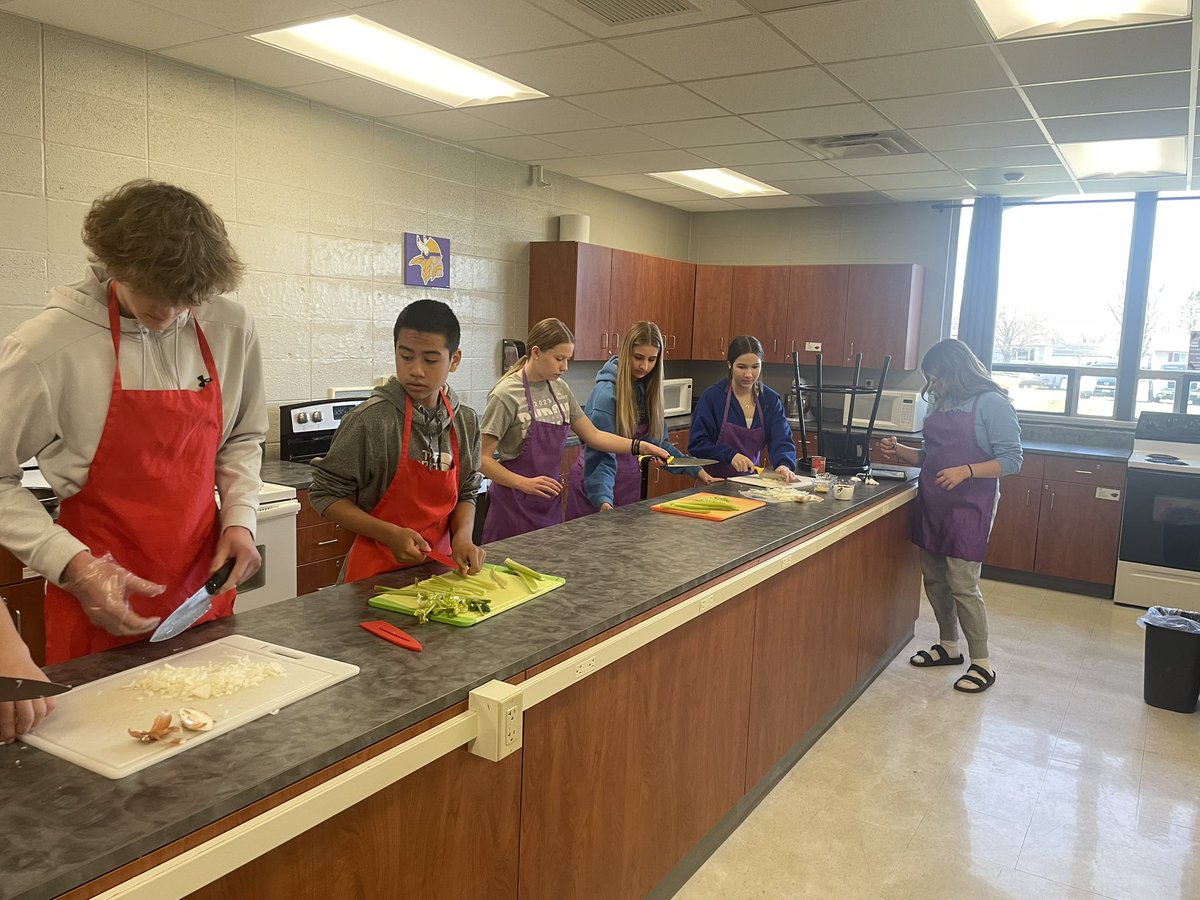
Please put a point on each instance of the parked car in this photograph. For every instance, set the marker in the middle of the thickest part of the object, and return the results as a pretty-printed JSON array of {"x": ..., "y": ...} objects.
[
  {"x": 1042, "y": 379},
  {"x": 1105, "y": 387},
  {"x": 1167, "y": 394}
]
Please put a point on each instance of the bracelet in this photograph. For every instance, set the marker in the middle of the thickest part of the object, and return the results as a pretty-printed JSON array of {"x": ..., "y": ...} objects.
[
  {"x": 635, "y": 446},
  {"x": 972, "y": 471}
]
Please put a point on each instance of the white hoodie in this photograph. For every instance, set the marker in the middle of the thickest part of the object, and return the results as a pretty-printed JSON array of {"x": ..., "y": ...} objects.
[{"x": 56, "y": 373}]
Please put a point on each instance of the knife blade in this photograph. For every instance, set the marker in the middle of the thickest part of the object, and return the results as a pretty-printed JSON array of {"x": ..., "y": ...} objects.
[
  {"x": 680, "y": 462},
  {"x": 442, "y": 558},
  {"x": 768, "y": 474},
  {"x": 194, "y": 606},
  {"x": 12, "y": 689}
]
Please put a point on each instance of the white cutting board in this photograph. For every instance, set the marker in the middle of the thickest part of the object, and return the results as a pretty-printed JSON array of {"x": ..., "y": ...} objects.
[
  {"x": 801, "y": 482},
  {"x": 89, "y": 727}
]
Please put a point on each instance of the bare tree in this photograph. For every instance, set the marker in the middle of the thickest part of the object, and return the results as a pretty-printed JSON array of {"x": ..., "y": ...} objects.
[
  {"x": 1191, "y": 310},
  {"x": 1022, "y": 329}
]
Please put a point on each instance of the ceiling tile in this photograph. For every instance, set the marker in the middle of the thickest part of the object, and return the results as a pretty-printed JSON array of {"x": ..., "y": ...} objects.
[
  {"x": 638, "y": 106},
  {"x": 627, "y": 163},
  {"x": 540, "y": 116},
  {"x": 664, "y": 193},
  {"x": 969, "y": 137},
  {"x": 625, "y": 182},
  {"x": 1115, "y": 126},
  {"x": 733, "y": 47},
  {"x": 237, "y": 15},
  {"x": 1105, "y": 95},
  {"x": 962, "y": 108},
  {"x": 1059, "y": 189},
  {"x": 888, "y": 165},
  {"x": 790, "y": 89},
  {"x": 571, "y": 70},
  {"x": 704, "y": 205},
  {"x": 814, "y": 186},
  {"x": 252, "y": 61},
  {"x": 935, "y": 72},
  {"x": 705, "y": 132},
  {"x": 1125, "y": 185},
  {"x": 123, "y": 21},
  {"x": 786, "y": 201},
  {"x": 1041, "y": 155},
  {"x": 850, "y": 198},
  {"x": 820, "y": 121},
  {"x": 917, "y": 195},
  {"x": 451, "y": 125},
  {"x": 1097, "y": 54},
  {"x": 521, "y": 148},
  {"x": 707, "y": 11},
  {"x": 497, "y": 26},
  {"x": 370, "y": 98},
  {"x": 606, "y": 140},
  {"x": 1033, "y": 175},
  {"x": 794, "y": 171},
  {"x": 837, "y": 31},
  {"x": 913, "y": 180},
  {"x": 752, "y": 154}
]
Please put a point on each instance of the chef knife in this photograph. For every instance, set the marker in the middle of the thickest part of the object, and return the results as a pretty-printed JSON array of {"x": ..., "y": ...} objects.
[
  {"x": 12, "y": 689},
  {"x": 194, "y": 606},
  {"x": 768, "y": 474},
  {"x": 680, "y": 462}
]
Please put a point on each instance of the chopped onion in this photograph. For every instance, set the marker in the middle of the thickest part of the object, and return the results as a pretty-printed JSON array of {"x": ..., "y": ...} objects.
[{"x": 202, "y": 682}]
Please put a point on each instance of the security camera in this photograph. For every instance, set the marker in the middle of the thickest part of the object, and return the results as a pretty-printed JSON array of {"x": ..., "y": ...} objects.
[{"x": 1013, "y": 177}]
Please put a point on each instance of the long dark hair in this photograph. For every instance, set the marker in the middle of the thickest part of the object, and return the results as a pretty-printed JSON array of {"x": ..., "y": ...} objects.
[
  {"x": 959, "y": 373},
  {"x": 740, "y": 346}
]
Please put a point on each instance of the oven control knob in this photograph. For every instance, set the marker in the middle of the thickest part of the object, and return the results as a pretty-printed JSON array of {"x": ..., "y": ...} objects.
[
  {"x": 302, "y": 418},
  {"x": 317, "y": 416}
]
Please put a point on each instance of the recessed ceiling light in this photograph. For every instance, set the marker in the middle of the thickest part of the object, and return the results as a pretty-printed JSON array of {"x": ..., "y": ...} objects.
[
  {"x": 1030, "y": 18},
  {"x": 721, "y": 183},
  {"x": 1129, "y": 158},
  {"x": 362, "y": 47}
]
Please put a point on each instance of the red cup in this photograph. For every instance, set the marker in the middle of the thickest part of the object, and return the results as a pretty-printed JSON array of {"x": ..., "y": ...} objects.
[{"x": 818, "y": 465}]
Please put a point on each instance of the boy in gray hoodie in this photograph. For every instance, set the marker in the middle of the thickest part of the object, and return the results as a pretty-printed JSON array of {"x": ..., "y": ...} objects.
[{"x": 403, "y": 470}]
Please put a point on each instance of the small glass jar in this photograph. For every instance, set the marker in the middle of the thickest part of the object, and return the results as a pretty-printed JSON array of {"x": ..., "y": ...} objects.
[{"x": 843, "y": 489}]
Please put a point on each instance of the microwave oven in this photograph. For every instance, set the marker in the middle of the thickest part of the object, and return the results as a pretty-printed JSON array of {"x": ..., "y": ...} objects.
[
  {"x": 898, "y": 411},
  {"x": 677, "y": 396}
]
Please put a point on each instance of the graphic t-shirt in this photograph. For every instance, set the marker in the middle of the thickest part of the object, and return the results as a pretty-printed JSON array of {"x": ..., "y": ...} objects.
[{"x": 506, "y": 416}]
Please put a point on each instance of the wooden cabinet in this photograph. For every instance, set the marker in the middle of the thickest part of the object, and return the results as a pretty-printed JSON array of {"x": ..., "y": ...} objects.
[
  {"x": 25, "y": 602},
  {"x": 570, "y": 281},
  {"x": 630, "y": 297},
  {"x": 674, "y": 282},
  {"x": 883, "y": 314},
  {"x": 759, "y": 306},
  {"x": 710, "y": 312},
  {"x": 1052, "y": 519},
  {"x": 817, "y": 312},
  {"x": 321, "y": 548}
]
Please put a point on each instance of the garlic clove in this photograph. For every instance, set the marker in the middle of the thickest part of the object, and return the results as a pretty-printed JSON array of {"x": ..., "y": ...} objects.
[{"x": 195, "y": 719}]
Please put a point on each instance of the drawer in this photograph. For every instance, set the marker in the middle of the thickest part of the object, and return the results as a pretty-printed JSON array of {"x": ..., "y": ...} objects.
[
  {"x": 1078, "y": 470},
  {"x": 317, "y": 575},
  {"x": 307, "y": 515},
  {"x": 319, "y": 542},
  {"x": 1032, "y": 465},
  {"x": 26, "y": 603}
]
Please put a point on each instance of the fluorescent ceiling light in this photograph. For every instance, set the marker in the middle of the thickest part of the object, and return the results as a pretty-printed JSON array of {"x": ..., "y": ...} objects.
[
  {"x": 362, "y": 47},
  {"x": 1029, "y": 18},
  {"x": 1124, "y": 159},
  {"x": 723, "y": 183}
]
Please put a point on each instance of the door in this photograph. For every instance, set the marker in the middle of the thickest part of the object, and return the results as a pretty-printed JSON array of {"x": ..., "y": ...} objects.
[
  {"x": 1078, "y": 532},
  {"x": 758, "y": 306},
  {"x": 817, "y": 312},
  {"x": 710, "y": 312},
  {"x": 678, "y": 300},
  {"x": 883, "y": 314},
  {"x": 637, "y": 283},
  {"x": 1015, "y": 533}
]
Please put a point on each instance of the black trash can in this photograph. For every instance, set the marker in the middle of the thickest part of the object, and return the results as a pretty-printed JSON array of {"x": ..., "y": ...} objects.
[{"x": 1172, "y": 664}]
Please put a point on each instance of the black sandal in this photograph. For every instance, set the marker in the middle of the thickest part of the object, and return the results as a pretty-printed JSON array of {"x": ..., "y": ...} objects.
[
  {"x": 971, "y": 683},
  {"x": 925, "y": 659}
]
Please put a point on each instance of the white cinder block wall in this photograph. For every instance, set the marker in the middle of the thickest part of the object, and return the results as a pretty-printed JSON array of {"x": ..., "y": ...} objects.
[{"x": 317, "y": 201}]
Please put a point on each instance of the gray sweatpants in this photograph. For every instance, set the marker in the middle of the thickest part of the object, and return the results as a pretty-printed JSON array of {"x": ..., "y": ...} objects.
[{"x": 952, "y": 586}]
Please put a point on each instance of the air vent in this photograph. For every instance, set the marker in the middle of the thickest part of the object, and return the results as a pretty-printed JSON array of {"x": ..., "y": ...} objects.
[
  {"x": 857, "y": 146},
  {"x": 625, "y": 12}
]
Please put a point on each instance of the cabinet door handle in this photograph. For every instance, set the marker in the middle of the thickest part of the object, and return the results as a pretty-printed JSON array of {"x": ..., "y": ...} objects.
[
  {"x": 328, "y": 542},
  {"x": 1084, "y": 472},
  {"x": 616, "y": 340},
  {"x": 672, "y": 342},
  {"x": 1052, "y": 499},
  {"x": 604, "y": 340},
  {"x": 851, "y": 356},
  {"x": 793, "y": 350},
  {"x": 775, "y": 345},
  {"x": 1027, "y": 493}
]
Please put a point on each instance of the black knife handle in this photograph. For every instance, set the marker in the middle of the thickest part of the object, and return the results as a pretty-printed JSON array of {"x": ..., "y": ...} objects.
[{"x": 220, "y": 576}]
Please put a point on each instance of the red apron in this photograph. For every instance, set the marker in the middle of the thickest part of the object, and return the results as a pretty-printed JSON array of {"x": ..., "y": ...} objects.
[
  {"x": 419, "y": 498},
  {"x": 148, "y": 501}
]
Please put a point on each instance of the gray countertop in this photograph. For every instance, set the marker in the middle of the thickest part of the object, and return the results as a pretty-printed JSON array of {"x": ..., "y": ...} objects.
[
  {"x": 282, "y": 471},
  {"x": 64, "y": 825}
]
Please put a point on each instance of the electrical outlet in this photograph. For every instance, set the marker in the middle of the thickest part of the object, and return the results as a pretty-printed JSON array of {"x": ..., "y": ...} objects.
[
  {"x": 869, "y": 382},
  {"x": 585, "y": 667},
  {"x": 498, "y": 706},
  {"x": 512, "y": 723},
  {"x": 812, "y": 346},
  {"x": 707, "y": 603}
]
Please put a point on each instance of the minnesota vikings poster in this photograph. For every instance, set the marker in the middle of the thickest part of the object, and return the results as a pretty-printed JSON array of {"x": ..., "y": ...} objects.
[{"x": 428, "y": 260}]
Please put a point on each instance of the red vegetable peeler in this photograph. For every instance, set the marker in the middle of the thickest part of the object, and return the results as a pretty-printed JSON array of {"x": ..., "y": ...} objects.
[{"x": 392, "y": 634}]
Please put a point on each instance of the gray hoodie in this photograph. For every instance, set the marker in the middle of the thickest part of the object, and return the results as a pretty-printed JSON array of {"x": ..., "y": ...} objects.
[{"x": 56, "y": 373}]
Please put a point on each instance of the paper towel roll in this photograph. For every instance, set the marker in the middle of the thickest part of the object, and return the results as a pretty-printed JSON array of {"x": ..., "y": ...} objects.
[{"x": 574, "y": 228}]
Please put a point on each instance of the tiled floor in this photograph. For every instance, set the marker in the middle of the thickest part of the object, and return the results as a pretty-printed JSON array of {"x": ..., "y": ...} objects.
[{"x": 1059, "y": 782}]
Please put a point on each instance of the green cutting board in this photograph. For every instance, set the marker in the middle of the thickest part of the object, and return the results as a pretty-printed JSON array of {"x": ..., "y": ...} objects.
[{"x": 502, "y": 600}]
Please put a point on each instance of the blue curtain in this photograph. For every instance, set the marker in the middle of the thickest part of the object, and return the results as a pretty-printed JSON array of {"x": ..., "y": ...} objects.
[{"x": 977, "y": 318}]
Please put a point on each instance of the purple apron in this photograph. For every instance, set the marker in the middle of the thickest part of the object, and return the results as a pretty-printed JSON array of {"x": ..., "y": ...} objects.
[
  {"x": 511, "y": 512},
  {"x": 627, "y": 481},
  {"x": 749, "y": 442},
  {"x": 954, "y": 523}
]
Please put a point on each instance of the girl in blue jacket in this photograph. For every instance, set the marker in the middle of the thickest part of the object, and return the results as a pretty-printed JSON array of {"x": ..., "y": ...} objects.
[
  {"x": 739, "y": 418},
  {"x": 627, "y": 400}
]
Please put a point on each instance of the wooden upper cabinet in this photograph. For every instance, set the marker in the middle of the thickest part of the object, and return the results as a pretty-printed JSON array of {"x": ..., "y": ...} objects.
[
  {"x": 759, "y": 307},
  {"x": 817, "y": 312},
  {"x": 637, "y": 283},
  {"x": 883, "y": 314},
  {"x": 571, "y": 281},
  {"x": 675, "y": 318},
  {"x": 710, "y": 314}
]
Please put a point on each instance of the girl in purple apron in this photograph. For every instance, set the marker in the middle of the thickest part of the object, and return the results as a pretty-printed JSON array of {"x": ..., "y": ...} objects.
[
  {"x": 971, "y": 439},
  {"x": 529, "y": 413},
  {"x": 627, "y": 400},
  {"x": 740, "y": 418}
]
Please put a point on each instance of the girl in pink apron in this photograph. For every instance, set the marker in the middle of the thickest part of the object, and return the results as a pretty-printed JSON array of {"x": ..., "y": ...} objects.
[
  {"x": 528, "y": 416},
  {"x": 627, "y": 400},
  {"x": 971, "y": 439}
]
